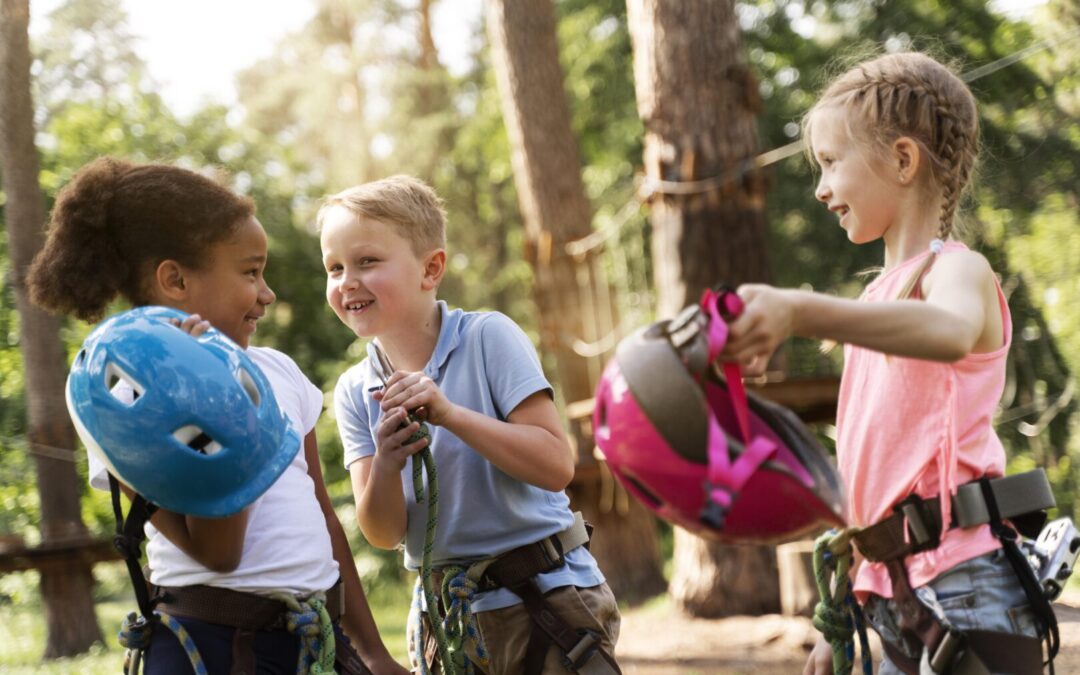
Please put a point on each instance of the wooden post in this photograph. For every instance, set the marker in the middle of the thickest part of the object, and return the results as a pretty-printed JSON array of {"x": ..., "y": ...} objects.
[{"x": 798, "y": 588}]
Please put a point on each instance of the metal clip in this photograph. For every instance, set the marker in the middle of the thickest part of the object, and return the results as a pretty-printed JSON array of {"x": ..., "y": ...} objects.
[
  {"x": 581, "y": 652},
  {"x": 384, "y": 369}
]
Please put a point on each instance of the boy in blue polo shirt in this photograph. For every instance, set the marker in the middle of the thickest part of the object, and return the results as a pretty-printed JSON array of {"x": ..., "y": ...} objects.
[{"x": 502, "y": 457}]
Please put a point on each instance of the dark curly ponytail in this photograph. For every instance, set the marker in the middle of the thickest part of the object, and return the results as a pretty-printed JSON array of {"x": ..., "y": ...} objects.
[{"x": 116, "y": 221}]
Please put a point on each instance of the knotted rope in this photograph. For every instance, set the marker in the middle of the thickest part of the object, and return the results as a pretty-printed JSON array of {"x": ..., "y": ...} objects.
[
  {"x": 465, "y": 643},
  {"x": 308, "y": 620},
  {"x": 837, "y": 615}
]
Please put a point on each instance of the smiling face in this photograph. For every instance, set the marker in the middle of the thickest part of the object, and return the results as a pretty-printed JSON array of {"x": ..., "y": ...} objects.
[
  {"x": 375, "y": 283},
  {"x": 230, "y": 291},
  {"x": 853, "y": 181}
]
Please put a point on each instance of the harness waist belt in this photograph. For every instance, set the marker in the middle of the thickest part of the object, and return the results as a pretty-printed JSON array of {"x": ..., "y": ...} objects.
[
  {"x": 525, "y": 562},
  {"x": 1016, "y": 495},
  {"x": 246, "y": 611}
]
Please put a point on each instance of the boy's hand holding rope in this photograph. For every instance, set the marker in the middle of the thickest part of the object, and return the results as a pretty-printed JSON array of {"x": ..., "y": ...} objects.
[
  {"x": 426, "y": 465},
  {"x": 837, "y": 615}
]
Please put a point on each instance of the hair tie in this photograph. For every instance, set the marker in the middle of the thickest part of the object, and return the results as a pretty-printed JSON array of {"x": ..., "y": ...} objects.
[{"x": 937, "y": 246}]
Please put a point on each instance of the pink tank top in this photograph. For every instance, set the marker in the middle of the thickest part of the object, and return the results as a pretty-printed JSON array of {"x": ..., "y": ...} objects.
[{"x": 908, "y": 425}]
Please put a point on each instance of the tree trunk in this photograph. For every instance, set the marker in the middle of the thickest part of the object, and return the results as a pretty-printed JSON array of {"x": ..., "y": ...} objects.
[
  {"x": 65, "y": 587},
  {"x": 698, "y": 100},
  {"x": 547, "y": 172}
]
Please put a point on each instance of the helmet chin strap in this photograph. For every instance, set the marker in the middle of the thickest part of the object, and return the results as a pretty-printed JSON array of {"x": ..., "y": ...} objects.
[{"x": 722, "y": 305}]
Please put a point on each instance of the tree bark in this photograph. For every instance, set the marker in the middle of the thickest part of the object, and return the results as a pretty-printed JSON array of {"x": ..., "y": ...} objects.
[
  {"x": 698, "y": 101},
  {"x": 547, "y": 173},
  {"x": 65, "y": 587}
]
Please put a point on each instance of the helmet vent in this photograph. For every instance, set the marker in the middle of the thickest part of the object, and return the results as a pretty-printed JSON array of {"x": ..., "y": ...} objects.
[
  {"x": 647, "y": 494},
  {"x": 196, "y": 439},
  {"x": 248, "y": 383},
  {"x": 117, "y": 382}
]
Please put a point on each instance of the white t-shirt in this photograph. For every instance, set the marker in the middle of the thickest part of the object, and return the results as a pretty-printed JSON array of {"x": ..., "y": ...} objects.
[{"x": 287, "y": 546}]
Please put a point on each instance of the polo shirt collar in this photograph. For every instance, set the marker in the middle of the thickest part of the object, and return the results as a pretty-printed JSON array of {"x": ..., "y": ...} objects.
[{"x": 449, "y": 338}]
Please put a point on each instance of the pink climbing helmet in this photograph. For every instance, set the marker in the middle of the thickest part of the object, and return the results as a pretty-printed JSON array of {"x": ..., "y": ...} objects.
[{"x": 695, "y": 448}]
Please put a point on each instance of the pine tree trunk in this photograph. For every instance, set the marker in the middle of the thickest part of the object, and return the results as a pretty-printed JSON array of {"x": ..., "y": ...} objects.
[
  {"x": 547, "y": 172},
  {"x": 65, "y": 587},
  {"x": 698, "y": 101}
]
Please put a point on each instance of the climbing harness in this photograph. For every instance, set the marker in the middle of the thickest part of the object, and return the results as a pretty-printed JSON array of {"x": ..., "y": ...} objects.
[
  {"x": 692, "y": 445},
  {"x": 458, "y": 641},
  {"x": 916, "y": 526},
  {"x": 581, "y": 649},
  {"x": 311, "y": 619}
]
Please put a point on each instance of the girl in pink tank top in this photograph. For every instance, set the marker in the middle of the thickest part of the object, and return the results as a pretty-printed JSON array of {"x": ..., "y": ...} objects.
[{"x": 895, "y": 139}]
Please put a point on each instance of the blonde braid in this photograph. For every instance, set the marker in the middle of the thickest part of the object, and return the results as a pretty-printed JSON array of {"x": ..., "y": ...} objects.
[{"x": 954, "y": 147}]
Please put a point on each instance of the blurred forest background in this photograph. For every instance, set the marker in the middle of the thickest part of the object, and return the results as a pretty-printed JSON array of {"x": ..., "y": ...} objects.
[{"x": 360, "y": 92}]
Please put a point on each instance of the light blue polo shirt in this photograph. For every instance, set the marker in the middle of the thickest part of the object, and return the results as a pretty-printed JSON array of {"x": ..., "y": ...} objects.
[{"x": 483, "y": 361}]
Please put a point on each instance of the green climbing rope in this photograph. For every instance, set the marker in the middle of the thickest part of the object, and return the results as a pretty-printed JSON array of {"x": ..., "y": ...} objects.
[
  {"x": 836, "y": 614},
  {"x": 308, "y": 620},
  {"x": 427, "y": 465},
  {"x": 464, "y": 641}
]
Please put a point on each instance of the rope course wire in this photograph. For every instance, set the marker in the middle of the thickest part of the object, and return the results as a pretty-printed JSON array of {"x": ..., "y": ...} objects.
[{"x": 41, "y": 449}]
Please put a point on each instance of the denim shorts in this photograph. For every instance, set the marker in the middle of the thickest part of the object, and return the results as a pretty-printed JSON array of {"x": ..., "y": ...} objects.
[{"x": 982, "y": 593}]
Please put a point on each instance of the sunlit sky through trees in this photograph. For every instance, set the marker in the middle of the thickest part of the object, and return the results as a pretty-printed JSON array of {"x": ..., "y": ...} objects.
[{"x": 193, "y": 49}]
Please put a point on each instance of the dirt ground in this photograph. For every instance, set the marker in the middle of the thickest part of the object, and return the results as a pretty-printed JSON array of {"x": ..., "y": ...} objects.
[{"x": 657, "y": 640}]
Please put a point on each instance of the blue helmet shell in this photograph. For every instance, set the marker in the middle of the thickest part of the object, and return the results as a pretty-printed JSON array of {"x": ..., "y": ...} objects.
[{"x": 190, "y": 423}]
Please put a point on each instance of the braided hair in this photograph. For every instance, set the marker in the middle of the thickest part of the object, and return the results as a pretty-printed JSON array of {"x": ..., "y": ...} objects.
[{"x": 911, "y": 94}]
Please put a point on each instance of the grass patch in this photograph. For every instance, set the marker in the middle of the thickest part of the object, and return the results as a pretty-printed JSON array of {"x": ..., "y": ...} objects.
[{"x": 22, "y": 623}]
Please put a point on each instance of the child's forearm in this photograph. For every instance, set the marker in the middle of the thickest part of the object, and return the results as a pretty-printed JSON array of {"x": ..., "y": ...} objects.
[
  {"x": 910, "y": 328},
  {"x": 527, "y": 451},
  {"x": 215, "y": 543},
  {"x": 380, "y": 504}
]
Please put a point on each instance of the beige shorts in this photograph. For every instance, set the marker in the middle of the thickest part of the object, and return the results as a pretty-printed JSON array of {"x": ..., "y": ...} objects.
[{"x": 506, "y": 631}]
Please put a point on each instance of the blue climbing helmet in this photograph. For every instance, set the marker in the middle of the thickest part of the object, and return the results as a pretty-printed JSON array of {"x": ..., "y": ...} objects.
[{"x": 190, "y": 423}]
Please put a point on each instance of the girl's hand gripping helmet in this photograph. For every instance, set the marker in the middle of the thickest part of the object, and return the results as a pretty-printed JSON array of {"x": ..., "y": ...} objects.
[
  {"x": 189, "y": 423},
  {"x": 692, "y": 446}
]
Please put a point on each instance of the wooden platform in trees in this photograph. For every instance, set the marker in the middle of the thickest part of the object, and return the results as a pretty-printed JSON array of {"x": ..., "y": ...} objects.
[{"x": 17, "y": 557}]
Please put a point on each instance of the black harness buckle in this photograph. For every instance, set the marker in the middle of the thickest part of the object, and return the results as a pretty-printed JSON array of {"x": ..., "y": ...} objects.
[{"x": 922, "y": 528}]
